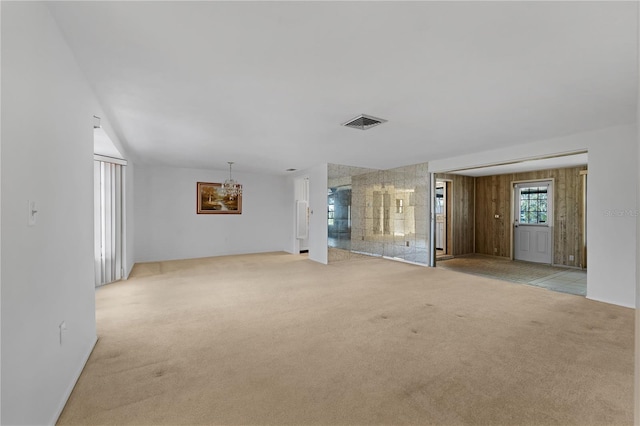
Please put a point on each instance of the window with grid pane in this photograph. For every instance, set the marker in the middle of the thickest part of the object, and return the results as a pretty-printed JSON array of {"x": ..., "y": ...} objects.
[{"x": 533, "y": 205}]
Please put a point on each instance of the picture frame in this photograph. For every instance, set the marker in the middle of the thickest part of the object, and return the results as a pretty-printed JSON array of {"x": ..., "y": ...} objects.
[{"x": 211, "y": 200}]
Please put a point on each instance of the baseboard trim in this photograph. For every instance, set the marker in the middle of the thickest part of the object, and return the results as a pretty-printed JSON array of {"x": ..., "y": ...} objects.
[
  {"x": 609, "y": 302},
  {"x": 67, "y": 393}
]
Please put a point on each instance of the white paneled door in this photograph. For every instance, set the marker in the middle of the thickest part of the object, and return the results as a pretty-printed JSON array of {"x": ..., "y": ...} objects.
[{"x": 532, "y": 227}]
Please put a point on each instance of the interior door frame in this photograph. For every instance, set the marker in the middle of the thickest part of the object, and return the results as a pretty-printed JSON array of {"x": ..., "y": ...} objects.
[
  {"x": 448, "y": 226},
  {"x": 553, "y": 214},
  {"x": 301, "y": 193}
]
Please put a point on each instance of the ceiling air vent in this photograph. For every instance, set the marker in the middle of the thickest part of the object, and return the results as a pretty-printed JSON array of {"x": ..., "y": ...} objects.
[{"x": 364, "y": 122}]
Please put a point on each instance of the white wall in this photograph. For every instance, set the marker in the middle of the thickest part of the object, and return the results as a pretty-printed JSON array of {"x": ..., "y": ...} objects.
[
  {"x": 637, "y": 346},
  {"x": 167, "y": 226},
  {"x": 0, "y": 222},
  {"x": 611, "y": 202},
  {"x": 46, "y": 269},
  {"x": 129, "y": 222},
  {"x": 318, "y": 231}
]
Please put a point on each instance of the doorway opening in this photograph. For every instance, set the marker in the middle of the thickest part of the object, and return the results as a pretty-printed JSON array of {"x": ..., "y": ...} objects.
[
  {"x": 339, "y": 217},
  {"x": 109, "y": 208},
  {"x": 529, "y": 221},
  {"x": 108, "y": 221},
  {"x": 444, "y": 214},
  {"x": 302, "y": 214}
]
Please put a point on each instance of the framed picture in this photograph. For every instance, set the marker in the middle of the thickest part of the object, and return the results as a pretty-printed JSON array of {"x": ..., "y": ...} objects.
[{"x": 212, "y": 200}]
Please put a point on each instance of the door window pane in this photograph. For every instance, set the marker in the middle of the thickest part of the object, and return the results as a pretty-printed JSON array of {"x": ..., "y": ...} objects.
[{"x": 533, "y": 205}]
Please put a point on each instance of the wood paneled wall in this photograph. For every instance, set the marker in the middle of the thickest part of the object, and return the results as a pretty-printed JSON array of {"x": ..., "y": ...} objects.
[
  {"x": 461, "y": 212},
  {"x": 494, "y": 197}
]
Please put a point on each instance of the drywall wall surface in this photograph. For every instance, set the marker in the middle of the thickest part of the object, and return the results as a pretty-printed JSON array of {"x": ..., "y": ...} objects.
[
  {"x": 611, "y": 202},
  {"x": 578, "y": 142},
  {"x": 0, "y": 223},
  {"x": 292, "y": 244},
  {"x": 611, "y": 219},
  {"x": 318, "y": 233},
  {"x": 637, "y": 347},
  {"x": 47, "y": 268},
  {"x": 637, "y": 341},
  {"x": 129, "y": 212},
  {"x": 168, "y": 227}
]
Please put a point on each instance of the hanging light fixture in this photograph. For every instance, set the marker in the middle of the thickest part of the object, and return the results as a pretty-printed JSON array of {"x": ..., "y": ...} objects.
[{"x": 231, "y": 187}]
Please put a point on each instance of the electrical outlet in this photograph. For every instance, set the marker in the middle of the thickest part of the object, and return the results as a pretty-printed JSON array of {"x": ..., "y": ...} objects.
[
  {"x": 407, "y": 243},
  {"x": 495, "y": 249},
  {"x": 571, "y": 258}
]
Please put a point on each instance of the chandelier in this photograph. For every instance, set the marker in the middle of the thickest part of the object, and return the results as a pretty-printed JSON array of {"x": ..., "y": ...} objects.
[{"x": 231, "y": 188}]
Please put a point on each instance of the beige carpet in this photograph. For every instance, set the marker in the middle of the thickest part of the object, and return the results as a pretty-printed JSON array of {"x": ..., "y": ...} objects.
[
  {"x": 340, "y": 255},
  {"x": 278, "y": 339}
]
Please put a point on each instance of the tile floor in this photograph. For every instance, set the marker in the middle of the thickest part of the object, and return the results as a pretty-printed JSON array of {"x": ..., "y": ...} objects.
[
  {"x": 555, "y": 278},
  {"x": 571, "y": 281},
  {"x": 561, "y": 279}
]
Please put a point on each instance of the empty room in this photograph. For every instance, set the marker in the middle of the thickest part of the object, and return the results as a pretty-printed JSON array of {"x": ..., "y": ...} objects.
[{"x": 222, "y": 212}]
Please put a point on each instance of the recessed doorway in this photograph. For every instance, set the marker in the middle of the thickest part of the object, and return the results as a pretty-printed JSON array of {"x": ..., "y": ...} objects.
[
  {"x": 443, "y": 212},
  {"x": 525, "y": 215}
]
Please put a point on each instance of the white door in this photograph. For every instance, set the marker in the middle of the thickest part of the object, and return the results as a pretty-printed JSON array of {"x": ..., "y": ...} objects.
[{"x": 532, "y": 232}]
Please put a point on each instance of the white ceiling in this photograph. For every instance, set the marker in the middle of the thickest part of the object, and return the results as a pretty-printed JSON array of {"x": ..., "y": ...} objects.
[{"x": 267, "y": 84}]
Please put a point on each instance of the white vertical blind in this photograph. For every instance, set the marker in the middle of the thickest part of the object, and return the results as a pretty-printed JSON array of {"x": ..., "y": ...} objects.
[
  {"x": 109, "y": 225},
  {"x": 97, "y": 214}
]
